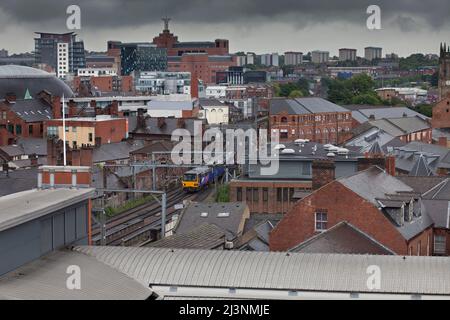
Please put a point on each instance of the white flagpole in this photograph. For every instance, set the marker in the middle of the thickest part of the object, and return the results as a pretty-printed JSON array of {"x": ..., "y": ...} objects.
[{"x": 64, "y": 131}]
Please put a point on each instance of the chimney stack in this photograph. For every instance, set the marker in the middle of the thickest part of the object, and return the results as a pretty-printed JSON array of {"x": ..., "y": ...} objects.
[
  {"x": 56, "y": 108},
  {"x": 323, "y": 172},
  {"x": 161, "y": 122}
]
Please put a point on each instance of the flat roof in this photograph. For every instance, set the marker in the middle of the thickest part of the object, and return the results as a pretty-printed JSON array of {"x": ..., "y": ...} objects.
[{"x": 21, "y": 207}]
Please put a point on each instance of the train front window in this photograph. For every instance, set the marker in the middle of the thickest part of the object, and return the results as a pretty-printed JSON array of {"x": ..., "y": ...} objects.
[{"x": 190, "y": 177}]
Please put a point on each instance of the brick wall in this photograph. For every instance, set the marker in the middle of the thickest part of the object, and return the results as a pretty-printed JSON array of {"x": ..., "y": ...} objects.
[
  {"x": 340, "y": 204},
  {"x": 441, "y": 114}
]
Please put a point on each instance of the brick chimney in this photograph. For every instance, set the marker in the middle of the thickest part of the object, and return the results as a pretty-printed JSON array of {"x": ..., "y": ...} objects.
[
  {"x": 34, "y": 160},
  {"x": 51, "y": 152},
  {"x": 442, "y": 141},
  {"x": 323, "y": 172},
  {"x": 73, "y": 110},
  {"x": 181, "y": 123},
  {"x": 194, "y": 88},
  {"x": 161, "y": 122},
  {"x": 76, "y": 157},
  {"x": 390, "y": 165},
  {"x": 10, "y": 97},
  {"x": 56, "y": 108},
  {"x": 141, "y": 119},
  {"x": 114, "y": 109},
  {"x": 366, "y": 163},
  {"x": 86, "y": 156}
]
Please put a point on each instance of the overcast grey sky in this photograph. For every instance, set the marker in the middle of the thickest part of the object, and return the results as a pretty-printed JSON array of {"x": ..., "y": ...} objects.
[{"x": 408, "y": 26}]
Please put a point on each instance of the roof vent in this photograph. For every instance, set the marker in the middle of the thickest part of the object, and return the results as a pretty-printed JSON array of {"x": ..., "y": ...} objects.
[
  {"x": 204, "y": 214},
  {"x": 331, "y": 155},
  {"x": 223, "y": 214},
  {"x": 288, "y": 151}
]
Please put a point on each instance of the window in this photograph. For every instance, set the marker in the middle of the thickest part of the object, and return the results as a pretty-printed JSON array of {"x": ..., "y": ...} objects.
[
  {"x": 321, "y": 221},
  {"x": 283, "y": 119},
  {"x": 248, "y": 194},
  {"x": 439, "y": 245},
  {"x": 255, "y": 194},
  {"x": 74, "y": 129},
  {"x": 239, "y": 194},
  {"x": 18, "y": 129},
  {"x": 90, "y": 137},
  {"x": 419, "y": 245},
  {"x": 11, "y": 128},
  {"x": 67, "y": 129},
  {"x": 52, "y": 131},
  {"x": 3, "y": 115},
  {"x": 265, "y": 194},
  {"x": 30, "y": 129},
  {"x": 279, "y": 194}
]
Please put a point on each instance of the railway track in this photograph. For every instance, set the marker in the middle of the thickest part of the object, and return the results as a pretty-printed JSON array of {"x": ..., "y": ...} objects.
[{"x": 138, "y": 225}]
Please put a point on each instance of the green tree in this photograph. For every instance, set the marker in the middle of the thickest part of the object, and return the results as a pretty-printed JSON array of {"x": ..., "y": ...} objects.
[{"x": 295, "y": 94}]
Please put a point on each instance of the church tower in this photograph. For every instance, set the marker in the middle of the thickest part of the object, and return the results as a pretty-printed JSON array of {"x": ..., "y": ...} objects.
[{"x": 444, "y": 72}]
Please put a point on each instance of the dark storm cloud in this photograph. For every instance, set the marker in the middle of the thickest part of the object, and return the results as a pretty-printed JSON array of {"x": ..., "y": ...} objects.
[{"x": 131, "y": 13}]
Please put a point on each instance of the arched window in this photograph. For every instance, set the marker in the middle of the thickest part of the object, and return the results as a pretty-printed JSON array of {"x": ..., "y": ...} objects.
[{"x": 283, "y": 119}]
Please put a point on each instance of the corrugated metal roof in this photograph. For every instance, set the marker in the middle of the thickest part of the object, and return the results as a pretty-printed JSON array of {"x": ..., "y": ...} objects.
[
  {"x": 275, "y": 270},
  {"x": 45, "y": 279}
]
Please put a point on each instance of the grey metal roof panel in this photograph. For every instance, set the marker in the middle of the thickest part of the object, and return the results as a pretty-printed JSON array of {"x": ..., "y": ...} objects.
[
  {"x": 276, "y": 270},
  {"x": 18, "y": 208},
  {"x": 289, "y": 106},
  {"x": 45, "y": 279},
  {"x": 439, "y": 212}
]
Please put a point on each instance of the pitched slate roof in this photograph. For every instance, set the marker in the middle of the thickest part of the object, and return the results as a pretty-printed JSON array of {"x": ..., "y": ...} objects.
[
  {"x": 421, "y": 184},
  {"x": 35, "y": 110},
  {"x": 206, "y": 236},
  {"x": 228, "y": 216},
  {"x": 406, "y": 156},
  {"x": 401, "y": 126},
  {"x": 439, "y": 192},
  {"x": 303, "y": 106},
  {"x": 116, "y": 151},
  {"x": 364, "y": 113},
  {"x": 17, "y": 181},
  {"x": 421, "y": 168},
  {"x": 342, "y": 238},
  {"x": 390, "y": 195}
]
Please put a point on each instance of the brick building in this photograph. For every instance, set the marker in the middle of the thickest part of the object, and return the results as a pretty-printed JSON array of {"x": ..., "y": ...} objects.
[
  {"x": 168, "y": 40},
  {"x": 373, "y": 201},
  {"x": 441, "y": 114},
  {"x": 105, "y": 84},
  {"x": 203, "y": 59},
  {"x": 315, "y": 119},
  {"x": 25, "y": 118},
  {"x": 201, "y": 65},
  {"x": 307, "y": 169},
  {"x": 88, "y": 130}
]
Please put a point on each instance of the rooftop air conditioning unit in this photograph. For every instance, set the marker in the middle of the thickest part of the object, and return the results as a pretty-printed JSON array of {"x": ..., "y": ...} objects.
[{"x": 280, "y": 147}]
